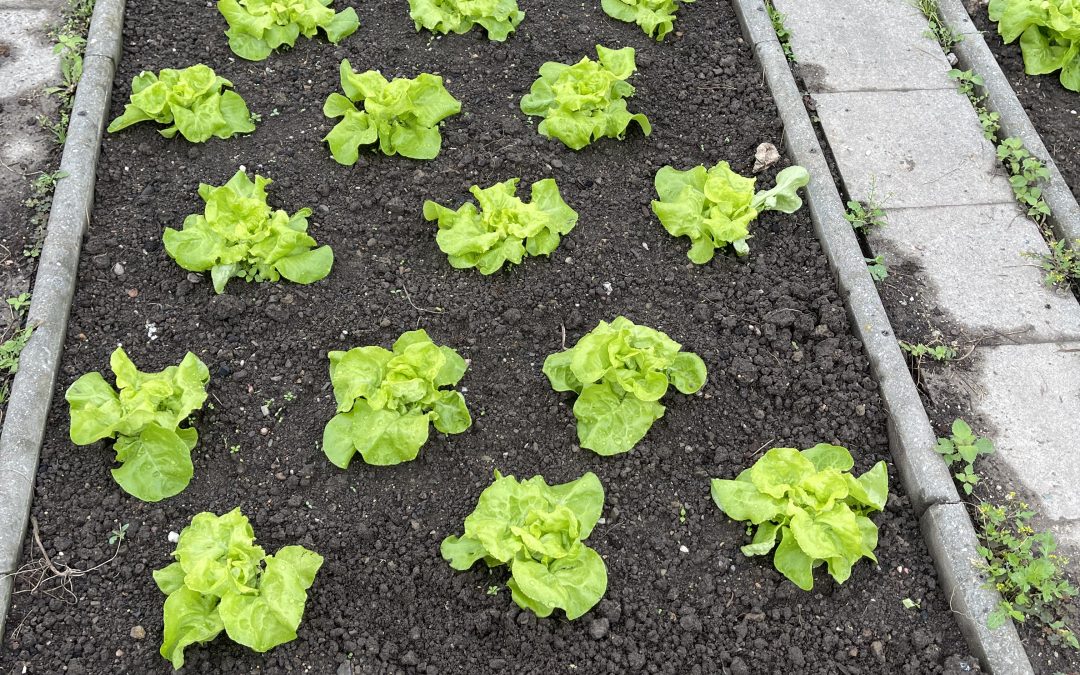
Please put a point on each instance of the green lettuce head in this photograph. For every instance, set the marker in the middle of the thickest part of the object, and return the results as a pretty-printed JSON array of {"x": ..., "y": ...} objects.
[
  {"x": 1049, "y": 32},
  {"x": 538, "y": 531},
  {"x": 620, "y": 371},
  {"x": 586, "y": 101},
  {"x": 505, "y": 229},
  {"x": 239, "y": 235},
  {"x": 193, "y": 102},
  {"x": 498, "y": 17},
  {"x": 258, "y": 27},
  {"x": 809, "y": 508},
  {"x": 656, "y": 17},
  {"x": 143, "y": 414}
]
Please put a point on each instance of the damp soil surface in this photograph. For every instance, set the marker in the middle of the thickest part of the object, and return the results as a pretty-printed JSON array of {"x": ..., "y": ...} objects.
[
  {"x": 784, "y": 370},
  {"x": 1053, "y": 109}
]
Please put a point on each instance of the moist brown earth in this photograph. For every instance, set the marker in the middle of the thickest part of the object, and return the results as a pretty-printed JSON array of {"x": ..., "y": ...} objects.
[
  {"x": 784, "y": 371},
  {"x": 1053, "y": 109}
]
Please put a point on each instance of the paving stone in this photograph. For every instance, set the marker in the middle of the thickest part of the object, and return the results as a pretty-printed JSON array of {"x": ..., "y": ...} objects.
[
  {"x": 30, "y": 63},
  {"x": 1030, "y": 394},
  {"x": 863, "y": 45},
  {"x": 912, "y": 148},
  {"x": 971, "y": 257}
]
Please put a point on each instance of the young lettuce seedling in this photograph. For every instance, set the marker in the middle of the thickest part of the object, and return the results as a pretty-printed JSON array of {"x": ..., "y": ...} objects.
[
  {"x": 222, "y": 581},
  {"x": 144, "y": 417},
  {"x": 810, "y": 502},
  {"x": 714, "y": 207},
  {"x": 239, "y": 235},
  {"x": 620, "y": 371},
  {"x": 586, "y": 101},
  {"x": 656, "y": 17},
  {"x": 538, "y": 531},
  {"x": 386, "y": 400},
  {"x": 258, "y": 27},
  {"x": 402, "y": 115},
  {"x": 505, "y": 228},
  {"x": 498, "y": 17},
  {"x": 193, "y": 102}
]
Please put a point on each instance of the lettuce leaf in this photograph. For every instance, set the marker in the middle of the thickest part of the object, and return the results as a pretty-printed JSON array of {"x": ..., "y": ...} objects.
[
  {"x": 239, "y": 235},
  {"x": 1049, "y": 32},
  {"x": 715, "y": 207},
  {"x": 811, "y": 502},
  {"x": 586, "y": 101},
  {"x": 498, "y": 17},
  {"x": 222, "y": 580},
  {"x": 538, "y": 531},
  {"x": 620, "y": 371},
  {"x": 387, "y": 399},
  {"x": 656, "y": 17},
  {"x": 193, "y": 102},
  {"x": 505, "y": 229},
  {"x": 402, "y": 115},
  {"x": 144, "y": 415},
  {"x": 258, "y": 27}
]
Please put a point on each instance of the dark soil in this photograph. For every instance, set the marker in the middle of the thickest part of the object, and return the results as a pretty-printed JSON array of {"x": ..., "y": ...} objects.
[
  {"x": 1053, "y": 109},
  {"x": 784, "y": 370}
]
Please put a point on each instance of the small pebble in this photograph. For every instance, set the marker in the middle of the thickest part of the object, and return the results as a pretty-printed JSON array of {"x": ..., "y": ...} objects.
[
  {"x": 118, "y": 270},
  {"x": 174, "y": 537},
  {"x": 138, "y": 632}
]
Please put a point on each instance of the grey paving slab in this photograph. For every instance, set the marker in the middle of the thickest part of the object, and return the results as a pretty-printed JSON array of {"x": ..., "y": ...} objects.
[
  {"x": 972, "y": 259},
  {"x": 1030, "y": 394},
  {"x": 912, "y": 148},
  {"x": 30, "y": 63},
  {"x": 863, "y": 45}
]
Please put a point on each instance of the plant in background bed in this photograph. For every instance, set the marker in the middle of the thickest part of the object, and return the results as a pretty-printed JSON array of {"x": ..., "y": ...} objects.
[
  {"x": 258, "y": 27},
  {"x": 586, "y": 101},
  {"x": 402, "y": 115},
  {"x": 538, "y": 531},
  {"x": 498, "y": 17},
  {"x": 386, "y": 400},
  {"x": 193, "y": 102},
  {"x": 714, "y": 207},
  {"x": 1049, "y": 32},
  {"x": 656, "y": 17},
  {"x": 812, "y": 505},
  {"x": 505, "y": 228},
  {"x": 222, "y": 581},
  {"x": 144, "y": 417},
  {"x": 620, "y": 371},
  {"x": 239, "y": 235}
]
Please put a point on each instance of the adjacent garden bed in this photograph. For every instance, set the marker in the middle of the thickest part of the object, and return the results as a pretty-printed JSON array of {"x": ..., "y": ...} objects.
[
  {"x": 1053, "y": 109},
  {"x": 783, "y": 370}
]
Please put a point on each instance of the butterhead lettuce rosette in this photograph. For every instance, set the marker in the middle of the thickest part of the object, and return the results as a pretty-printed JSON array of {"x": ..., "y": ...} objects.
[
  {"x": 538, "y": 531},
  {"x": 144, "y": 414},
  {"x": 586, "y": 101},
  {"x": 239, "y": 235},
  {"x": 498, "y": 17},
  {"x": 620, "y": 371},
  {"x": 1049, "y": 32},
  {"x": 656, "y": 17},
  {"x": 258, "y": 27},
  {"x": 504, "y": 229}
]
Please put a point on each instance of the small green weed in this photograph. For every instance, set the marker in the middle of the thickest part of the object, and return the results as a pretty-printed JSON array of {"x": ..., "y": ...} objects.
[
  {"x": 940, "y": 352},
  {"x": 1025, "y": 174},
  {"x": 19, "y": 303},
  {"x": 877, "y": 268},
  {"x": 970, "y": 85},
  {"x": 118, "y": 535},
  {"x": 939, "y": 30},
  {"x": 782, "y": 32},
  {"x": 964, "y": 446},
  {"x": 10, "y": 350},
  {"x": 1061, "y": 265}
]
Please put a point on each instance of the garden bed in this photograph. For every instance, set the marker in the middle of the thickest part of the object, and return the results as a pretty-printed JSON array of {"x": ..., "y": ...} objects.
[
  {"x": 1053, "y": 109},
  {"x": 784, "y": 370}
]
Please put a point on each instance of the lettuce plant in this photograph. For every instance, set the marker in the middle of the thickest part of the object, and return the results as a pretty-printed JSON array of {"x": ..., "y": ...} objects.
[
  {"x": 656, "y": 17},
  {"x": 193, "y": 102},
  {"x": 222, "y": 580},
  {"x": 620, "y": 371},
  {"x": 1049, "y": 32},
  {"x": 387, "y": 399},
  {"x": 498, "y": 17},
  {"x": 239, "y": 235},
  {"x": 402, "y": 116},
  {"x": 715, "y": 207},
  {"x": 586, "y": 101},
  {"x": 505, "y": 228},
  {"x": 809, "y": 503},
  {"x": 258, "y": 27},
  {"x": 538, "y": 531},
  {"x": 144, "y": 417}
]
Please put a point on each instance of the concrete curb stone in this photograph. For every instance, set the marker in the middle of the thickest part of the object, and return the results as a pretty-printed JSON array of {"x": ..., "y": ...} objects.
[
  {"x": 946, "y": 526},
  {"x": 54, "y": 288}
]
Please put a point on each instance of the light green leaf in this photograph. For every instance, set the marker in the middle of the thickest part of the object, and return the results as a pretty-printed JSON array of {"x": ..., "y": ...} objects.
[
  {"x": 498, "y": 17},
  {"x": 190, "y": 618},
  {"x": 156, "y": 464},
  {"x": 610, "y": 424}
]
